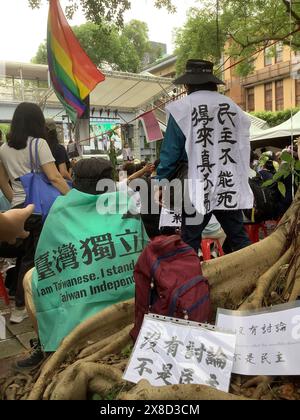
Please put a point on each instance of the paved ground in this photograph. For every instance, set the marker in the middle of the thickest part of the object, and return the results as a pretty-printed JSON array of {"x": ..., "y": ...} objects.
[{"x": 16, "y": 343}]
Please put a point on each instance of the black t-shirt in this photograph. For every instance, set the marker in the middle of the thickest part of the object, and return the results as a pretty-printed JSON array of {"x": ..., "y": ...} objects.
[{"x": 60, "y": 155}]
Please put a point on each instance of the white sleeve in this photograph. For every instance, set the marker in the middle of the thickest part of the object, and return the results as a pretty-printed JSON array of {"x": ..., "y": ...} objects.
[{"x": 45, "y": 154}]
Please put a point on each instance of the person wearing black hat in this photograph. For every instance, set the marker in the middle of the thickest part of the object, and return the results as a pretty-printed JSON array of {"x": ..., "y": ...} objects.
[
  {"x": 212, "y": 134},
  {"x": 88, "y": 172}
]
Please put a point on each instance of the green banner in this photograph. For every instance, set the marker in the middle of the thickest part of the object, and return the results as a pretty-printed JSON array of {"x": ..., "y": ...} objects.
[{"x": 84, "y": 262}]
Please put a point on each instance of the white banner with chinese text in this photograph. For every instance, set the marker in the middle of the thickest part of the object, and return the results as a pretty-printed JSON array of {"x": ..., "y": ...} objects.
[
  {"x": 217, "y": 135},
  {"x": 179, "y": 352},
  {"x": 268, "y": 341}
]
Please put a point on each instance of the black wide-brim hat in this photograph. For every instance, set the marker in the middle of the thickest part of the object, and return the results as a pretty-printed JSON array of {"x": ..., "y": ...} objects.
[{"x": 198, "y": 72}]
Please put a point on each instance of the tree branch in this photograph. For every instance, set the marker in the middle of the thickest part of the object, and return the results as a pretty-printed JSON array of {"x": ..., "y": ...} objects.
[{"x": 291, "y": 11}]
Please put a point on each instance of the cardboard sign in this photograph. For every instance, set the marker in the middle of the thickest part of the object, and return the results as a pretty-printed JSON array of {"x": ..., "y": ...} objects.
[
  {"x": 268, "y": 341},
  {"x": 173, "y": 351}
]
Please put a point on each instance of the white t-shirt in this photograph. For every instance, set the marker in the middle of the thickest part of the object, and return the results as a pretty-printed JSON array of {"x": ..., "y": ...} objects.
[{"x": 17, "y": 163}]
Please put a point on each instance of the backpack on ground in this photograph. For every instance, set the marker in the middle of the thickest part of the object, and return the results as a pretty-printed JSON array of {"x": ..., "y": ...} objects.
[
  {"x": 266, "y": 201},
  {"x": 169, "y": 282}
]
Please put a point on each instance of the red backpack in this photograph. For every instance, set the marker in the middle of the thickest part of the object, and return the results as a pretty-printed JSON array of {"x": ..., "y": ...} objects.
[{"x": 169, "y": 282}]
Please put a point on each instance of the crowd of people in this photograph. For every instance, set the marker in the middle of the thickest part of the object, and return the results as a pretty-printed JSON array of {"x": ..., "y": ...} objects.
[{"x": 206, "y": 131}]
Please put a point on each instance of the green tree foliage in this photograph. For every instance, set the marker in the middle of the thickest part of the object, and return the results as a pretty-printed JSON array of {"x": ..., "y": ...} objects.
[
  {"x": 199, "y": 37},
  {"x": 276, "y": 118},
  {"x": 98, "y": 11},
  {"x": 289, "y": 166},
  {"x": 243, "y": 26},
  {"x": 123, "y": 49},
  {"x": 41, "y": 55}
]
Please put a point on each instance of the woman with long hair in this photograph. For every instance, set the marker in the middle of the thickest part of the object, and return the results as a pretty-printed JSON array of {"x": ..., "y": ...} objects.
[{"x": 27, "y": 129}]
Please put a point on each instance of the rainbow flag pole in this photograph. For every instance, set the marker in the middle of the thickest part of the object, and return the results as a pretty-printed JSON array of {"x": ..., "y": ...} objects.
[{"x": 73, "y": 75}]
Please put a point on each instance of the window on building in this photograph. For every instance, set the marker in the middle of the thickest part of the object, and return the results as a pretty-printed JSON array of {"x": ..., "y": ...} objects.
[
  {"x": 268, "y": 97},
  {"x": 279, "y": 95},
  {"x": 297, "y": 90},
  {"x": 279, "y": 52},
  {"x": 268, "y": 56},
  {"x": 250, "y": 100}
]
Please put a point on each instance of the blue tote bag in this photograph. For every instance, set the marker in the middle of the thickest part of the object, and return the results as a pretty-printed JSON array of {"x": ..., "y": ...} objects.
[{"x": 39, "y": 190}]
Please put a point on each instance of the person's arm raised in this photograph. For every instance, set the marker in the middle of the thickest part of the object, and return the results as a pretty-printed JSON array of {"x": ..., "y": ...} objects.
[{"x": 55, "y": 178}]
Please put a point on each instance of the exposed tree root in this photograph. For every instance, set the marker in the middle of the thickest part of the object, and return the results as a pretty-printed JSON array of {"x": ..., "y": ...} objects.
[
  {"x": 264, "y": 282},
  {"x": 82, "y": 377},
  {"x": 144, "y": 391},
  {"x": 262, "y": 383},
  {"x": 87, "y": 361},
  {"x": 106, "y": 323},
  {"x": 115, "y": 346}
]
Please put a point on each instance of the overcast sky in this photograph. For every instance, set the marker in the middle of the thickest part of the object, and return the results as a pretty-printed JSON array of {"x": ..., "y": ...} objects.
[{"x": 23, "y": 29}]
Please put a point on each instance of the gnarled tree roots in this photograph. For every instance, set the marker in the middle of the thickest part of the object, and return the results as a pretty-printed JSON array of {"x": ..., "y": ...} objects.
[{"x": 92, "y": 359}]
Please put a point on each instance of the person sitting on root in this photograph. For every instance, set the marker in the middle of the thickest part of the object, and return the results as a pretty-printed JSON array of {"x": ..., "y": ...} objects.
[{"x": 85, "y": 258}]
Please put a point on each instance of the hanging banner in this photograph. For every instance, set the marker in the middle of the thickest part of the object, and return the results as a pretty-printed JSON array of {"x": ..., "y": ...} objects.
[
  {"x": 151, "y": 127},
  {"x": 268, "y": 341},
  {"x": 218, "y": 150},
  {"x": 173, "y": 351}
]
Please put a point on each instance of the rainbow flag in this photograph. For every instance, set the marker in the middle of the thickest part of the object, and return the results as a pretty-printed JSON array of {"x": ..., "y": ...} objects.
[{"x": 73, "y": 74}]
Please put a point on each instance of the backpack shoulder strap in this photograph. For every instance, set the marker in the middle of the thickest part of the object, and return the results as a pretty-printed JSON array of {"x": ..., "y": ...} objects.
[{"x": 178, "y": 251}]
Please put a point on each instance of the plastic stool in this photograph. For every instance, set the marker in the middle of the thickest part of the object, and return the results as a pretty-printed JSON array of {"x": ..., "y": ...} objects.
[
  {"x": 205, "y": 247},
  {"x": 3, "y": 291},
  {"x": 254, "y": 229}
]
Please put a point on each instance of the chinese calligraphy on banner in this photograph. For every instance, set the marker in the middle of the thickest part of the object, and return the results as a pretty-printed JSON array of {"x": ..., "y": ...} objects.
[
  {"x": 169, "y": 353},
  {"x": 218, "y": 150},
  {"x": 268, "y": 342}
]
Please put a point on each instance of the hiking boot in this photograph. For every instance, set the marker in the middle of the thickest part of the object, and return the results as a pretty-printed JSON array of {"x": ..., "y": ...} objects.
[
  {"x": 35, "y": 359},
  {"x": 18, "y": 315}
]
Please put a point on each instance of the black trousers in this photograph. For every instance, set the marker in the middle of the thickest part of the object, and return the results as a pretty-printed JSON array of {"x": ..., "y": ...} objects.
[
  {"x": 231, "y": 222},
  {"x": 24, "y": 251}
]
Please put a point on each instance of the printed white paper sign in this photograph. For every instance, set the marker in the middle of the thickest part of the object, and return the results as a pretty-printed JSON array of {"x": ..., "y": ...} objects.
[
  {"x": 167, "y": 353},
  {"x": 170, "y": 218},
  {"x": 268, "y": 342},
  {"x": 2, "y": 328}
]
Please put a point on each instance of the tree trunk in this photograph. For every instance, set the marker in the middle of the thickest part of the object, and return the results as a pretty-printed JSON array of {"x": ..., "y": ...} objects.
[{"x": 262, "y": 274}]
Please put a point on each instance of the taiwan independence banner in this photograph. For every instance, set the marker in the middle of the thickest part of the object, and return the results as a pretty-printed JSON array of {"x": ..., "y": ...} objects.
[{"x": 84, "y": 263}]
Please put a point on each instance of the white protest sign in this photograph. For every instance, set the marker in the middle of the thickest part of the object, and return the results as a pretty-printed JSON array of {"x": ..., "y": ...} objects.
[
  {"x": 170, "y": 353},
  {"x": 170, "y": 218},
  {"x": 268, "y": 341},
  {"x": 2, "y": 328}
]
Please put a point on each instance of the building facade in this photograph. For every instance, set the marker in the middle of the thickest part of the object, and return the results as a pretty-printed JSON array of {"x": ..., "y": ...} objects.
[
  {"x": 164, "y": 67},
  {"x": 272, "y": 86}
]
